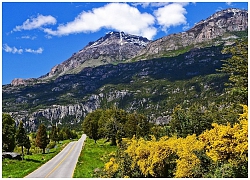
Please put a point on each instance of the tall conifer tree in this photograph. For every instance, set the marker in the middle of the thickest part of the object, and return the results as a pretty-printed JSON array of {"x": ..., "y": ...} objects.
[
  {"x": 21, "y": 137},
  {"x": 42, "y": 139},
  {"x": 54, "y": 134},
  {"x": 8, "y": 133}
]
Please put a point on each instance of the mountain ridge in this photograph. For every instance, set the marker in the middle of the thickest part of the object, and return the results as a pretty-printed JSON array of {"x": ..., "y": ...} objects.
[
  {"x": 117, "y": 47},
  {"x": 205, "y": 31}
]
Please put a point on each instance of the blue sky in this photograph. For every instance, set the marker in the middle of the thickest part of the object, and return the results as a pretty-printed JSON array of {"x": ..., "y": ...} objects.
[{"x": 38, "y": 36}]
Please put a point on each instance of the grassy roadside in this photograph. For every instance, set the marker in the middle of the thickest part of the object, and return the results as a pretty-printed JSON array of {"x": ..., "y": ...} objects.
[
  {"x": 91, "y": 158},
  {"x": 20, "y": 169}
]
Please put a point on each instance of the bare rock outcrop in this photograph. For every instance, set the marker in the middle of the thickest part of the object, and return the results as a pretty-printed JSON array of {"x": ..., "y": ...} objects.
[{"x": 215, "y": 26}]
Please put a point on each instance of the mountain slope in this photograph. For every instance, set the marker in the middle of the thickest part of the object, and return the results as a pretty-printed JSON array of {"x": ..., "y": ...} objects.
[
  {"x": 142, "y": 86},
  {"x": 112, "y": 48},
  {"x": 214, "y": 30}
]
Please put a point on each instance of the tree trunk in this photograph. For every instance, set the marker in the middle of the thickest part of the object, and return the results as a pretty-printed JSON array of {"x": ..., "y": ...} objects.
[
  {"x": 113, "y": 141},
  {"x": 22, "y": 153},
  {"x": 43, "y": 150}
]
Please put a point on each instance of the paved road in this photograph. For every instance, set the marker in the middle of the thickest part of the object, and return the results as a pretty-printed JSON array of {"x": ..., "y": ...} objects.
[{"x": 63, "y": 164}]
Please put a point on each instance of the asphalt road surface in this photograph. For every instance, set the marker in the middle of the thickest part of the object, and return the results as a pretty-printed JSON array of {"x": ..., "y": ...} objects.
[{"x": 63, "y": 164}]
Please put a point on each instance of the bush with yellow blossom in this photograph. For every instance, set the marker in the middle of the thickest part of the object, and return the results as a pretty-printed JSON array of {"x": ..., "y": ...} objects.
[{"x": 223, "y": 149}]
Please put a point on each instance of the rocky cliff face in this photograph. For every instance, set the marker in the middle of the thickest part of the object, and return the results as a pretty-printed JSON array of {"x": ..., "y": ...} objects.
[
  {"x": 216, "y": 25},
  {"x": 18, "y": 81},
  {"x": 72, "y": 113},
  {"x": 205, "y": 31}
]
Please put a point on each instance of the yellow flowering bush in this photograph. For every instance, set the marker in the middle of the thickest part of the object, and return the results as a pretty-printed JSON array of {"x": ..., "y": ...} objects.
[
  {"x": 153, "y": 156},
  {"x": 149, "y": 156},
  {"x": 187, "y": 160},
  {"x": 224, "y": 142},
  {"x": 111, "y": 167},
  {"x": 223, "y": 150}
]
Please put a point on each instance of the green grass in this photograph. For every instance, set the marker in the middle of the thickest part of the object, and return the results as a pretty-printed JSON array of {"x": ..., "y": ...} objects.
[
  {"x": 92, "y": 157},
  {"x": 20, "y": 169}
]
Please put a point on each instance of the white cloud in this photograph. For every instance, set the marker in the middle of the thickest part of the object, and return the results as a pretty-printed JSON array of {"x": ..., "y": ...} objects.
[
  {"x": 36, "y": 22},
  {"x": 158, "y": 4},
  {"x": 38, "y": 51},
  {"x": 229, "y": 3},
  {"x": 48, "y": 36},
  {"x": 171, "y": 15},
  {"x": 27, "y": 37},
  {"x": 186, "y": 27},
  {"x": 13, "y": 50},
  {"x": 115, "y": 16},
  {"x": 6, "y": 48},
  {"x": 150, "y": 4}
]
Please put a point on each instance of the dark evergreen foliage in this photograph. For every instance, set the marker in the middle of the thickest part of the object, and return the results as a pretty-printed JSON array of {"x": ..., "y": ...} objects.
[
  {"x": 21, "y": 138},
  {"x": 237, "y": 68},
  {"x": 54, "y": 134},
  {"x": 8, "y": 133},
  {"x": 42, "y": 139}
]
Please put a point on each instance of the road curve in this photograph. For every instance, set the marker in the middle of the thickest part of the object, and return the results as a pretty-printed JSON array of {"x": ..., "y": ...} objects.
[{"x": 63, "y": 164}]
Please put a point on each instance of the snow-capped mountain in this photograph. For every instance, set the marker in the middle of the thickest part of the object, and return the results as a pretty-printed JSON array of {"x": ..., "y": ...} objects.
[{"x": 111, "y": 48}]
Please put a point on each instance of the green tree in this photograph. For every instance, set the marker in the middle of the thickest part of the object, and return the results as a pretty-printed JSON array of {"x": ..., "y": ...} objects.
[
  {"x": 90, "y": 124},
  {"x": 180, "y": 122},
  {"x": 111, "y": 125},
  {"x": 27, "y": 145},
  {"x": 8, "y": 133},
  {"x": 193, "y": 120},
  {"x": 130, "y": 126},
  {"x": 67, "y": 133},
  {"x": 224, "y": 112},
  {"x": 136, "y": 124},
  {"x": 200, "y": 119},
  {"x": 42, "y": 139},
  {"x": 21, "y": 137},
  {"x": 159, "y": 131},
  {"x": 60, "y": 134},
  {"x": 54, "y": 134},
  {"x": 237, "y": 68},
  {"x": 74, "y": 134}
]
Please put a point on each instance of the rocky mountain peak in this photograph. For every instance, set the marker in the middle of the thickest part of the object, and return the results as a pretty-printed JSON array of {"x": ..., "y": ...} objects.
[
  {"x": 111, "y": 48},
  {"x": 227, "y": 20},
  {"x": 205, "y": 31},
  {"x": 226, "y": 13},
  {"x": 119, "y": 38}
]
